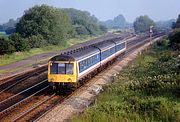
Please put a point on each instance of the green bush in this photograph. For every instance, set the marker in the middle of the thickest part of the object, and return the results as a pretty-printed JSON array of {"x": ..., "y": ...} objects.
[
  {"x": 164, "y": 42},
  {"x": 19, "y": 43},
  {"x": 36, "y": 41},
  {"x": 175, "y": 39},
  {"x": 103, "y": 28},
  {"x": 157, "y": 108},
  {"x": 6, "y": 46},
  {"x": 81, "y": 30}
]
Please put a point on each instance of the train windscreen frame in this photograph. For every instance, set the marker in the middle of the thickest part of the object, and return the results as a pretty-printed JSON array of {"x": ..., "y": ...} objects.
[{"x": 62, "y": 68}]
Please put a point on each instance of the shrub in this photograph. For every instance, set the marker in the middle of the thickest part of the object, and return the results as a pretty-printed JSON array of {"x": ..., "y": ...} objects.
[
  {"x": 175, "y": 39},
  {"x": 6, "y": 46},
  {"x": 36, "y": 41},
  {"x": 81, "y": 30},
  {"x": 19, "y": 43},
  {"x": 163, "y": 42}
]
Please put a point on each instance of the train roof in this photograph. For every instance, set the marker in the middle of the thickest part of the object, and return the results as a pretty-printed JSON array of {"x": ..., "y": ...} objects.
[
  {"x": 118, "y": 40},
  {"x": 75, "y": 56},
  {"x": 104, "y": 45},
  {"x": 81, "y": 53},
  {"x": 62, "y": 58}
]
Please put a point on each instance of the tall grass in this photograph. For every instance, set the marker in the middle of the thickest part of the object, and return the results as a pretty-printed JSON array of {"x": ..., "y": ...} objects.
[{"x": 148, "y": 90}]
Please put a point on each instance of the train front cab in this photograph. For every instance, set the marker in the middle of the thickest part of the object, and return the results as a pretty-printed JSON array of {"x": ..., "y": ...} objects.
[{"x": 61, "y": 73}]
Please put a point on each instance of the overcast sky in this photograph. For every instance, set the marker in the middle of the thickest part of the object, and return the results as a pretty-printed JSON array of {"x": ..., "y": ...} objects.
[{"x": 102, "y": 9}]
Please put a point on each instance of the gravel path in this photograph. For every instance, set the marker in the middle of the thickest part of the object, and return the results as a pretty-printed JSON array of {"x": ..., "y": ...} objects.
[{"x": 30, "y": 60}]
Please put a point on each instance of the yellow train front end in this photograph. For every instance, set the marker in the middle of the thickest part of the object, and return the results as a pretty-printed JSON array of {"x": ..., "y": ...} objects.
[{"x": 61, "y": 73}]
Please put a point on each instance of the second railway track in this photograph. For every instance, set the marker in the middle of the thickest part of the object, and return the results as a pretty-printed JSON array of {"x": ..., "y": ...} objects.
[{"x": 11, "y": 82}]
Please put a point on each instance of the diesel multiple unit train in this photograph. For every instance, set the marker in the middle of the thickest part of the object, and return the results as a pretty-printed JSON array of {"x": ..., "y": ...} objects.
[{"x": 75, "y": 66}]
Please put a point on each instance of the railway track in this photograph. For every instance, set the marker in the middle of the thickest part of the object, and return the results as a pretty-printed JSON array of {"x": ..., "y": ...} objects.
[
  {"x": 11, "y": 82},
  {"x": 21, "y": 86},
  {"x": 24, "y": 113},
  {"x": 131, "y": 48},
  {"x": 8, "y": 104},
  {"x": 43, "y": 98}
]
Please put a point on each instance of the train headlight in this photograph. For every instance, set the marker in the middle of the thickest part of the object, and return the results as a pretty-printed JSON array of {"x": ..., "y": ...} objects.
[
  {"x": 69, "y": 80},
  {"x": 52, "y": 79}
]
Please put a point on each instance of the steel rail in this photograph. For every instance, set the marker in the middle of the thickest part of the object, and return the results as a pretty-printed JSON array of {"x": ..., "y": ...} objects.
[
  {"x": 22, "y": 92},
  {"x": 20, "y": 102},
  {"x": 21, "y": 115},
  {"x": 19, "y": 80}
]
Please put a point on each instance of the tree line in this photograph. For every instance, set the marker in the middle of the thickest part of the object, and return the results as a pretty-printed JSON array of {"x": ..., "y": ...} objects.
[
  {"x": 9, "y": 27},
  {"x": 118, "y": 22},
  {"x": 174, "y": 37},
  {"x": 143, "y": 23},
  {"x": 46, "y": 25}
]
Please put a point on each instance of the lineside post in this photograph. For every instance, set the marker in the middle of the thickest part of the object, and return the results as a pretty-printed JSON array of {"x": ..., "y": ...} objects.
[{"x": 150, "y": 33}]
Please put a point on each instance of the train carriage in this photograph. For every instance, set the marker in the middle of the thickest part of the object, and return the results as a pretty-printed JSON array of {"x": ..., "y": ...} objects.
[
  {"x": 107, "y": 51},
  {"x": 120, "y": 46},
  {"x": 69, "y": 68},
  {"x": 72, "y": 67}
]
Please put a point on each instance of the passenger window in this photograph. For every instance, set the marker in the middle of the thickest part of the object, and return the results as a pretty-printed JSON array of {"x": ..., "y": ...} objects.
[
  {"x": 53, "y": 68},
  {"x": 69, "y": 68},
  {"x": 86, "y": 63}
]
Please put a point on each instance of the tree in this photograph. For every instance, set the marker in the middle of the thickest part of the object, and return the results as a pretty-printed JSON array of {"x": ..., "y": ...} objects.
[
  {"x": 175, "y": 39},
  {"x": 80, "y": 29},
  {"x": 164, "y": 25},
  {"x": 142, "y": 24},
  {"x": 9, "y": 27},
  {"x": 1, "y": 28},
  {"x": 6, "y": 46},
  {"x": 173, "y": 26},
  {"x": 177, "y": 25},
  {"x": 103, "y": 28},
  {"x": 52, "y": 23},
  {"x": 19, "y": 43},
  {"x": 117, "y": 22},
  {"x": 10, "y": 30},
  {"x": 83, "y": 22},
  {"x": 36, "y": 41}
]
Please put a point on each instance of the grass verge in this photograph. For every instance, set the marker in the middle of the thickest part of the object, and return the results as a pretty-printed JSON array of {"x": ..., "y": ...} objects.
[{"x": 148, "y": 90}]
